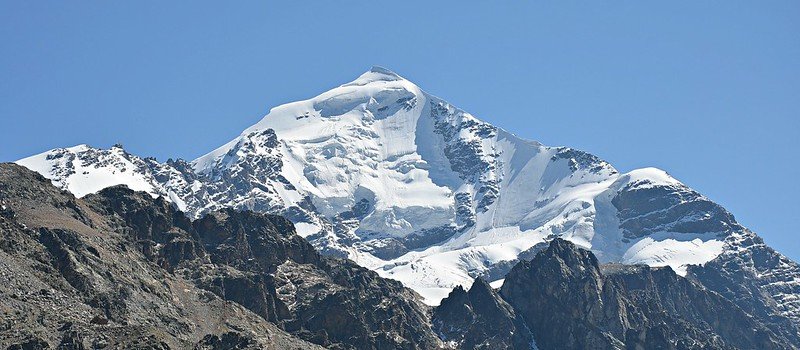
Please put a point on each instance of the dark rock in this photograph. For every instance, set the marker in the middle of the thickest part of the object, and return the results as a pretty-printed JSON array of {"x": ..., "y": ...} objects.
[
  {"x": 569, "y": 302},
  {"x": 581, "y": 160},
  {"x": 108, "y": 271},
  {"x": 389, "y": 248},
  {"x": 227, "y": 341},
  {"x": 759, "y": 280},
  {"x": 245, "y": 257},
  {"x": 480, "y": 319},
  {"x": 644, "y": 211},
  {"x": 120, "y": 269},
  {"x": 100, "y": 320},
  {"x": 30, "y": 344},
  {"x": 72, "y": 340}
]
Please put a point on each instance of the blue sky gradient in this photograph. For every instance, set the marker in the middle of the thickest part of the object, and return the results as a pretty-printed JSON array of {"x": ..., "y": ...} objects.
[{"x": 709, "y": 91}]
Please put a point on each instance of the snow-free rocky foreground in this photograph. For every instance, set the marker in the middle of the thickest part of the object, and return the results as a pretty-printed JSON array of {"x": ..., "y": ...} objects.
[{"x": 407, "y": 185}]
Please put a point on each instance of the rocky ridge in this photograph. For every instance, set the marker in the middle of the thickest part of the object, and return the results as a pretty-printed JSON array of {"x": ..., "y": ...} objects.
[
  {"x": 124, "y": 270},
  {"x": 570, "y": 301},
  {"x": 420, "y": 191},
  {"x": 121, "y": 269}
]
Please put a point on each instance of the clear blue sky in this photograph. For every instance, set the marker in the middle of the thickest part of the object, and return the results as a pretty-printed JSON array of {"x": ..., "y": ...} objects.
[{"x": 709, "y": 91}]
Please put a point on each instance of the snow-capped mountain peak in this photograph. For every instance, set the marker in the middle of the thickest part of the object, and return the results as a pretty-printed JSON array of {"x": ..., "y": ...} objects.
[
  {"x": 376, "y": 74},
  {"x": 408, "y": 185}
]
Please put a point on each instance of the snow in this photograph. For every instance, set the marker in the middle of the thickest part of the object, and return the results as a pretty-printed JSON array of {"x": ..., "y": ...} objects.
[
  {"x": 305, "y": 229},
  {"x": 340, "y": 149},
  {"x": 376, "y": 140},
  {"x": 446, "y": 266},
  {"x": 497, "y": 284},
  {"x": 673, "y": 250},
  {"x": 648, "y": 178},
  {"x": 89, "y": 177},
  {"x": 174, "y": 198}
]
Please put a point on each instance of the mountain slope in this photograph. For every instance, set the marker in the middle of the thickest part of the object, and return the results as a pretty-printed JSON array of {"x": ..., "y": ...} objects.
[
  {"x": 570, "y": 301},
  {"x": 121, "y": 269},
  {"x": 73, "y": 278},
  {"x": 420, "y": 191}
]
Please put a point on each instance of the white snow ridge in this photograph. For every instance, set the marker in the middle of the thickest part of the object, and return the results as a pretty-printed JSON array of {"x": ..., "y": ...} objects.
[{"x": 418, "y": 190}]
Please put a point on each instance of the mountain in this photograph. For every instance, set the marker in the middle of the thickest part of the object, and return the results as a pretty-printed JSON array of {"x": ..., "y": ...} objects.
[
  {"x": 571, "y": 301},
  {"x": 120, "y": 269},
  {"x": 76, "y": 277},
  {"x": 407, "y": 185}
]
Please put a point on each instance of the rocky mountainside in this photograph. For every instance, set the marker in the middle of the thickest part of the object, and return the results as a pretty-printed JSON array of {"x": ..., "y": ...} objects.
[
  {"x": 480, "y": 318},
  {"x": 570, "y": 301},
  {"x": 409, "y": 186},
  {"x": 121, "y": 269}
]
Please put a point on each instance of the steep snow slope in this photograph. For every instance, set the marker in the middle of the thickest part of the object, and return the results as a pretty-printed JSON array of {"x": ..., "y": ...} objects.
[
  {"x": 420, "y": 191},
  {"x": 389, "y": 166},
  {"x": 353, "y": 144}
]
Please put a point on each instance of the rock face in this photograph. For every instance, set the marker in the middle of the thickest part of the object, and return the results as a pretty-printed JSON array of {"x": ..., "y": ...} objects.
[
  {"x": 758, "y": 279},
  {"x": 480, "y": 319},
  {"x": 120, "y": 269},
  {"x": 569, "y": 301},
  {"x": 72, "y": 277},
  {"x": 259, "y": 262},
  {"x": 420, "y": 191}
]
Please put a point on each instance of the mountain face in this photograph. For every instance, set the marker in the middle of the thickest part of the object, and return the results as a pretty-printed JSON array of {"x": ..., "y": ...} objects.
[
  {"x": 570, "y": 301},
  {"x": 407, "y": 185},
  {"x": 119, "y": 269},
  {"x": 480, "y": 319},
  {"x": 75, "y": 276}
]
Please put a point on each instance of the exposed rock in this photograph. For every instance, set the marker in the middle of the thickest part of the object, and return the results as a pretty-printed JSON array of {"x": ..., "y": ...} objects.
[
  {"x": 378, "y": 169},
  {"x": 643, "y": 211},
  {"x": 480, "y": 319},
  {"x": 227, "y": 341},
  {"x": 144, "y": 269},
  {"x": 569, "y": 302},
  {"x": 759, "y": 280},
  {"x": 75, "y": 274},
  {"x": 121, "y": 269}
]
